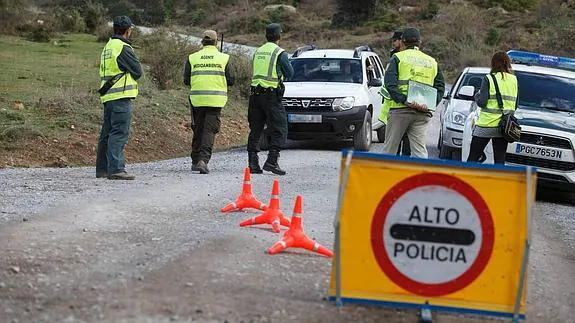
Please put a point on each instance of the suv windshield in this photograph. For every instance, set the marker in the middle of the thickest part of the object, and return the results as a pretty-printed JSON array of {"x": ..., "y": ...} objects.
[
  {"x": 473, "y": 79},
  {"x": 326, "y": 70},
  {"x": 546, "y": 91}
]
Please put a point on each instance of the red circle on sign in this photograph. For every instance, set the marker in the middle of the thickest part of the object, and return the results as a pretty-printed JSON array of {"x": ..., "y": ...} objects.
[{"x": 452, "y": 183}]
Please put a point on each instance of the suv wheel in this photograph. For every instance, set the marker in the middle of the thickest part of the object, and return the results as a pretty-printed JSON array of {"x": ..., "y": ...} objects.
[
  {"x": 381, "y": 134},
  {"x": 362, "y": 138}
]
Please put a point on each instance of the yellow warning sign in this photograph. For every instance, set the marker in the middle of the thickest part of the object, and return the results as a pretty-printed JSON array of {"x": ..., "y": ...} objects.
[{"x": 433, "y": 234}]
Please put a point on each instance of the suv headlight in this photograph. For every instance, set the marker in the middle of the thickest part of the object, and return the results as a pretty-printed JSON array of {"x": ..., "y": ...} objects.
[
  {"x": 457, "y": 118},
  {"x": 342, "y": 104}
]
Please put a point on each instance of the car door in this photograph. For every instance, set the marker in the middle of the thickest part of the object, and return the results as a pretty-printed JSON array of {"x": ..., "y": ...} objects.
[{"x": 375, "y": 98}]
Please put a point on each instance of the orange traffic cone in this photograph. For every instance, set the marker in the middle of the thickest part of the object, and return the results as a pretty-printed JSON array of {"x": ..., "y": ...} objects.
[
  {"x": 246, "y": 200},
  {"x": 296, "y": 238},
  {"x": 272, "y": 215}
]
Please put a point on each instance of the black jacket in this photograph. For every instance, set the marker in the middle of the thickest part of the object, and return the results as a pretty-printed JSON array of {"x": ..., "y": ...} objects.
[{"x": 127, "y": 60}]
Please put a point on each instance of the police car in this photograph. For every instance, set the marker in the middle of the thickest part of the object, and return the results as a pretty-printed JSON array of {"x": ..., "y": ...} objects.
[
  {"x": 334, "y": 95},
  {"x": 546, "y": 113}
]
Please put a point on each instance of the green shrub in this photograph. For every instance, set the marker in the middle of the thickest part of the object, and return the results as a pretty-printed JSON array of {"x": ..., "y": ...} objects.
[
  {"x": 103, "y": 33},
  {"x": 95, "y": 14},
  {"x": 242, "y": 70},
  {"x": 20, "y": 132},
  {"x": 493, "y": 37},
  {"x": 42, "y": 33},
  {"x": 386, "y": 19},
  {"x": 11, "y": 13},
  {"x": 165, "y": 55},
  {"x": 430, "y": 10},
  {"x": 70, "y": 20},
  {"x": 353, "y": 13}
]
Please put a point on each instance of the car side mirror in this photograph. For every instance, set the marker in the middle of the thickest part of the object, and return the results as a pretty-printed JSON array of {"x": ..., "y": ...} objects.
[
  {"x": 467, "y": 92},
  {"x": 375, "y": 83}
]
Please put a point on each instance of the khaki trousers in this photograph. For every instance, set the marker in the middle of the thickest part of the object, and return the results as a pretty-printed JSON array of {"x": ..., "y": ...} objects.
[{"x": 402, "y": 121}]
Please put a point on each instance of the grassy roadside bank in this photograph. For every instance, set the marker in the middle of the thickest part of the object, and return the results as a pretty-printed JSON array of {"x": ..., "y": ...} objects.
[{"x": 50, "y": 114}]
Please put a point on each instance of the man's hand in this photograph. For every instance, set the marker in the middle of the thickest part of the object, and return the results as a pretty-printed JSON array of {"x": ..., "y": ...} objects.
[{"x": 417, "y": 106}]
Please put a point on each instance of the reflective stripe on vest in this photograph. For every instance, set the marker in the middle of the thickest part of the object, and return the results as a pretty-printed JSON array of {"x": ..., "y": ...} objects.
[
  {"x": 265, "y": 66},
  {"x": 126, "y": 86},
  {"x": 208, "y": 85},
  {"x": 490, "y": 116},
  {"x": 414, "y": 65}
]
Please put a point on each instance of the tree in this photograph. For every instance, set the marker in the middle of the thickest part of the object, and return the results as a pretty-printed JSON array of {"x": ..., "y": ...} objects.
[{"x": 353, "y": 13}]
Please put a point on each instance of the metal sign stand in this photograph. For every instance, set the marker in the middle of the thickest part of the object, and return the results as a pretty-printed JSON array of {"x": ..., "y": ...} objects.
[
  {"x": 426, "y": 314},
  {"x": 522, "y": 275},
  {"x": 338, "y": 302}
]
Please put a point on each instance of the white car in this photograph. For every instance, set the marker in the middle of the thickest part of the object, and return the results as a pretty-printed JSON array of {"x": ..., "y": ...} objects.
[
  {"x": 454, "y": 109},
  {"x": 334, "y": 96},
  {"x": 546, "y": 113}
]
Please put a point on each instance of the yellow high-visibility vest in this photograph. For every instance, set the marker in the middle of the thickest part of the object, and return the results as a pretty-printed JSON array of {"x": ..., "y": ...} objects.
[
  {"x": 490, "y": 116},
  {"x": 125, "y": 87},
  {"x": 417, "y": 66},
  {"x": 265, "y": 66},
  {"x": 208, "y": 85}
]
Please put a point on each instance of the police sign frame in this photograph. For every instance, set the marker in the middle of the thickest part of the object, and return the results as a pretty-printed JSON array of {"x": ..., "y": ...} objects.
[{"x": 397, "y": 227}]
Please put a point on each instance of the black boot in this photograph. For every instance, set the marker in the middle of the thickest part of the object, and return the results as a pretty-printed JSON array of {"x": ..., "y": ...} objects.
[
  {"x": 271, "y": 164},
  {"x": 254, "y": 163}
]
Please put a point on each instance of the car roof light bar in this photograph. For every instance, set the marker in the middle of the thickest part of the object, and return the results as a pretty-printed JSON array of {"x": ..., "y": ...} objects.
[
  {"x": 363, "y": 48},
  {"x": 530, "y": 58},
  {"x": 304, "y": 48}
]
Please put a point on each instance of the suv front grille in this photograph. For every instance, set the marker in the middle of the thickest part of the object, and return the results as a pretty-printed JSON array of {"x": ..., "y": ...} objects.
[
  {"x": 547, "y": 141},
  {"x": 539, "y": 162},
  {"x": 312, "y": 104}
]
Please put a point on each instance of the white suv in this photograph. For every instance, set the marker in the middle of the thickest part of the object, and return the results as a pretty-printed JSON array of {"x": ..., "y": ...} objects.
[
  {"x": 546, "y": 113},
  {"x": 334, "y": 95}
]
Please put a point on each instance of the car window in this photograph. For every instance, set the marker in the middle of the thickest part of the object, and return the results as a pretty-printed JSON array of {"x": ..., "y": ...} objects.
[
  {"x": 546, "y": 91},
  {"x": 378, "y": 61},
  {"x": 376, "y": 68},
  {"x": 473, "y": 79},
  {"x": 326, "y": 70}
]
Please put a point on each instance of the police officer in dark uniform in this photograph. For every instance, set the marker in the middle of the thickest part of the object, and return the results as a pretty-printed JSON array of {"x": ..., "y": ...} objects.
[{"x": 271, "y": 66}]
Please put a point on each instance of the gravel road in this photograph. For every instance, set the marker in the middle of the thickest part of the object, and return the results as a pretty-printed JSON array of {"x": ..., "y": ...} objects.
[{"x": 80, "y": 249}]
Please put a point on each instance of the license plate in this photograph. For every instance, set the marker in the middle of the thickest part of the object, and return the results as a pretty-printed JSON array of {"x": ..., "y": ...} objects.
[
  {"x": 540, "y": 152},
  {"x": 304, "y": 118}
]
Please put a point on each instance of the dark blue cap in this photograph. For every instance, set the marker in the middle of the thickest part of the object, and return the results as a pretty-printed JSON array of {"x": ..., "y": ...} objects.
[
  {"x": 273, "y": 29},
  {"x": 397, "y": 35},
  {"x": 123, "y": 22}
]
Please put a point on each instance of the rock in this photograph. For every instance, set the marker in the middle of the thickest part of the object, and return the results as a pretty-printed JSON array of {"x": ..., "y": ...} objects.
[
  {"x": 498, "y": 10},
  {"x": 18, "y": 105},
  {"x": 84, "y": 230},
  {"x": 2, "y": 285},
  {"x": 72, "y": 127},
  {"x": 189, "y": 284},
  {"x": 25, "y": 219},
  {"x": 15, "y": 269},
  {"x": 273, "y": 7},
  {"x": 408, "y": 9}
]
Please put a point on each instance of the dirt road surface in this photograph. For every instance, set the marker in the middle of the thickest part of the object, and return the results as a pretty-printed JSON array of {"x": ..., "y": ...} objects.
[{"x": 80, "y": 249}]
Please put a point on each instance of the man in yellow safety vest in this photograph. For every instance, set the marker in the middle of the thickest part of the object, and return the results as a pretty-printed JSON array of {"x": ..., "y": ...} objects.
[
  {"x": 119, "y": 71},
  {"x": 410, "y": 65},
  {"x": 271, "y": 66},
  {"x": 208, "y": 73}
]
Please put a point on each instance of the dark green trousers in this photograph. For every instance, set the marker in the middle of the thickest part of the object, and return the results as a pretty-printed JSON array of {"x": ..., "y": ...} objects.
[
  {"x": 205, "y": 124},
  {"x": 265, "y": 109}
]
